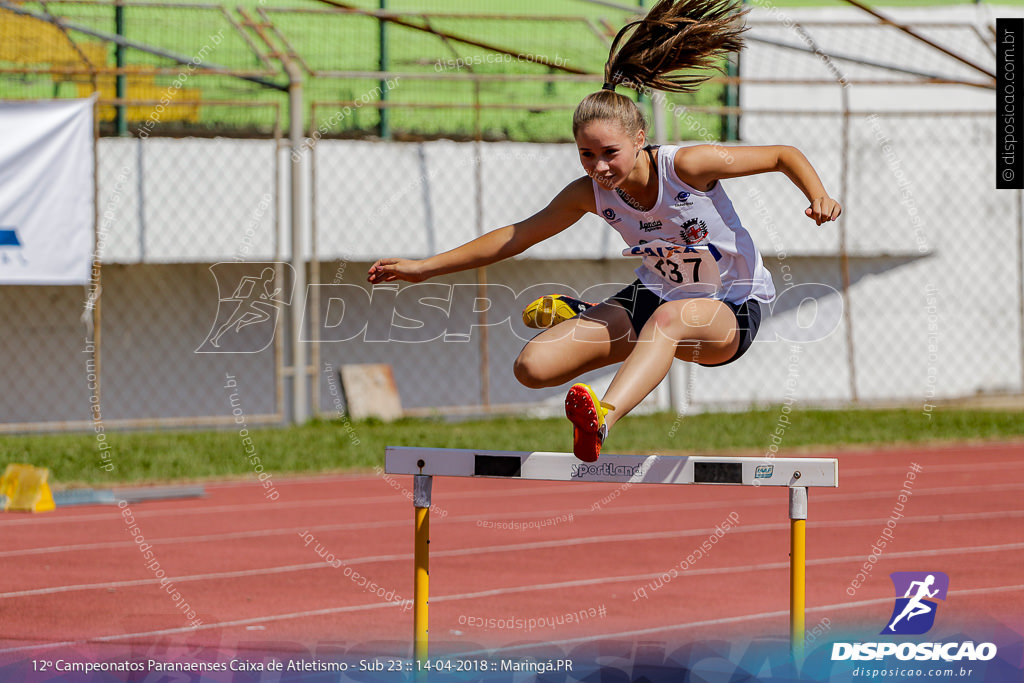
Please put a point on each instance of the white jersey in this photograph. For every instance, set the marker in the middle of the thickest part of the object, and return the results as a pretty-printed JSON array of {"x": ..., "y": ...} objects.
[{"x": 692, "y": 242}]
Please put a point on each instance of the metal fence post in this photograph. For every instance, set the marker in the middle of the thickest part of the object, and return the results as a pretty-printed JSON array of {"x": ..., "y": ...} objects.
[
  {"x": 300, "y": 402},
  {"x": 385, "y": 127}
]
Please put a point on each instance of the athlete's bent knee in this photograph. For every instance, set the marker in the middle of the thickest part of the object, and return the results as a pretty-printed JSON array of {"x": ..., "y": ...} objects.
[
  {"x": 665, "y": 318},
  {"x": 525, "y": 370},
  {"x": 682, "y": 320},
  {"x": 669, "y": 319}
]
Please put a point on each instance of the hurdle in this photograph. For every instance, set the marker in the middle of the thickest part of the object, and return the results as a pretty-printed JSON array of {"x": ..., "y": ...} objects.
[{"x": 797, "y": 474}]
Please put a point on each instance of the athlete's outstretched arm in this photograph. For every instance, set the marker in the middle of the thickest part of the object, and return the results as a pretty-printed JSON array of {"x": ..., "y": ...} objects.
[
  {"x": 566, "y": 208},
  {"x": 702, "y": 165}
]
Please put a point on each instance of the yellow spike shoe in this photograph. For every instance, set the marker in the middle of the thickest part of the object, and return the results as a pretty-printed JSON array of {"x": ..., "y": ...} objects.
[{"x": 548, "y": 311}]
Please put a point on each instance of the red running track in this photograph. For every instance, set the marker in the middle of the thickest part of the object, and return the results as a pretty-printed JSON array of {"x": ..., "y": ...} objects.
[{"x": 509, "y": 560}]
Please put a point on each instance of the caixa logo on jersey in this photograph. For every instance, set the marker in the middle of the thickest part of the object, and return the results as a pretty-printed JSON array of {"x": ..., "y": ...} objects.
[{"x": 914, "y": 613}]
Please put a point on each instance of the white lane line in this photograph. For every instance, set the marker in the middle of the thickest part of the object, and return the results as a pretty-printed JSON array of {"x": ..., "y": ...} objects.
[
  {"x": 256, "y": 507},
  {"x": 262, "y": 533},
  {"x": 360, "y": 608},
  {"x": 579, "y": 583},
  {"x": 203, "y": 627},
  {"x": 252, "y": 508},
  {"x": 726, "y": 620},
  {"x": 530, "y": 546}
]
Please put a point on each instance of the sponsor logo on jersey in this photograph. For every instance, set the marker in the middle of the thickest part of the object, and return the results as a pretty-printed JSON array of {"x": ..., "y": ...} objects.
[
  {"x": 693, "y": 231},
  {"x": 650, "y": 226},
  {"x": 609, "y": 215},
  {"x": 682, "y": 199}
]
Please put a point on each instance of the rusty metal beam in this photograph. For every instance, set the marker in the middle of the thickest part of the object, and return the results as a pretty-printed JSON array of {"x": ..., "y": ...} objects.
[
  {"x": 930, "y": 43},
  {"x": 391, "y": 18}
]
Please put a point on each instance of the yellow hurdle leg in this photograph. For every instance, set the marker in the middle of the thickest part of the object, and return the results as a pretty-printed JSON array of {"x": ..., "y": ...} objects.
[
  {"x": 797, "y": 568},
  {"x": 421, "y": 579}
]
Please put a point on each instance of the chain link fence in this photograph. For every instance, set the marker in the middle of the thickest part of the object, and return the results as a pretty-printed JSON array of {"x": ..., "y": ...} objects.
[
  {"x": 914, "y": 296},
  {"x": 876, "y": 304}
]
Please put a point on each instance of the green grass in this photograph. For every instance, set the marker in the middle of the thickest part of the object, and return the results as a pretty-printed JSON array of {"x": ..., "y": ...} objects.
[{"x": 324, "y": 446}]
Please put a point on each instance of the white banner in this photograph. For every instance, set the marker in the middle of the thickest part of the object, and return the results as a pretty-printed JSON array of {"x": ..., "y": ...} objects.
[{"x": 47, "y": 200}]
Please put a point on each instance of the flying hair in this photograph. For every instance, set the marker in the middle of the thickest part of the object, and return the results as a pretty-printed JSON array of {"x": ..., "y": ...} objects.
[{"x": 675, "y": 35}]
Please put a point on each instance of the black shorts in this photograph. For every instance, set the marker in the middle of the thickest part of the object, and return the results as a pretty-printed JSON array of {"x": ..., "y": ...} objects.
[{"x": 640, "y": 304}]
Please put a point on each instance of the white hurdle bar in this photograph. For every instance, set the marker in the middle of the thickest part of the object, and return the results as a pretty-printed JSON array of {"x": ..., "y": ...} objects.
[{"x": 797, "y": 474}]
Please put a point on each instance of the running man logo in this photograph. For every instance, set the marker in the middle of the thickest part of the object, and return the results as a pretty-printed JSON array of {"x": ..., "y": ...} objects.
[
  {"x": 247, "y": 319},
  {"x": 913, "y": 614}
]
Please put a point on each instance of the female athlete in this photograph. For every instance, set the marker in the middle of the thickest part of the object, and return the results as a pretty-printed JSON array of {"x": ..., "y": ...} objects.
[{"x": 699, "y": 287}]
